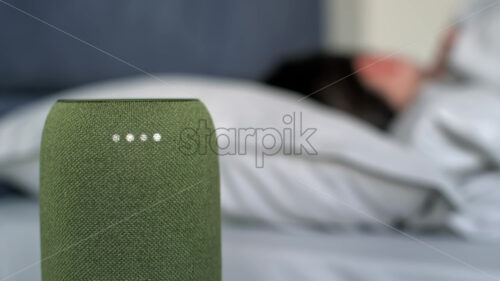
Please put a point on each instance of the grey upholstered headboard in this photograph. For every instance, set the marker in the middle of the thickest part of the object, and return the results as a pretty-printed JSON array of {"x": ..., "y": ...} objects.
[{"x": 238, "y": 38}]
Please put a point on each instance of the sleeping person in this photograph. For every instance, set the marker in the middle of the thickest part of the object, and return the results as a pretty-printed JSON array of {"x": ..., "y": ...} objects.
[
  {"x": 448, "y": 113},
  {"x": 329, "y": 80},
  {"x": 376, "y": 87}
]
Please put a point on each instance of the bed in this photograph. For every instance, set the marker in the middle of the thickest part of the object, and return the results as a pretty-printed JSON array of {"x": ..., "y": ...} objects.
[{"x": 266, "y": 254}]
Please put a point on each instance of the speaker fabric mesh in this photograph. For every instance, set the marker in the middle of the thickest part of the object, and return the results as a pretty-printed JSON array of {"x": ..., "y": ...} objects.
[{"x": 115, "y": 209}]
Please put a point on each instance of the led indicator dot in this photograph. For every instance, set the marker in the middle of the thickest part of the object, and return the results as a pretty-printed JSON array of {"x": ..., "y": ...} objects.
[
  {"x": 116, "y": 138},
  {"x": 157, "y": 137},
  {"x": 144, "y": 137},
  {"x": 130, "y": 138}
]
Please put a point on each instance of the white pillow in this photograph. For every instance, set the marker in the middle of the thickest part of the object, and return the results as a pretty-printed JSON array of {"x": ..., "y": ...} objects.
[{"x": 354, "y": 162}]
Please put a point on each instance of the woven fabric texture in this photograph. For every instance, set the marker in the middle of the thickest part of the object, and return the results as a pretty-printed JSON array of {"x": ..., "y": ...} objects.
[{"x": 113, "y": 208}]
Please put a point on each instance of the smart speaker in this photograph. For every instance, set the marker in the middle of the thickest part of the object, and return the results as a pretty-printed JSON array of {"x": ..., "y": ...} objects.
[{"x": 119, "y": 199}]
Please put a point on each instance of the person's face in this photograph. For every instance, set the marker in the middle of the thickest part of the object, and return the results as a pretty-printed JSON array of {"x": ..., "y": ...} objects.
[{"x": 395, "y": 79}]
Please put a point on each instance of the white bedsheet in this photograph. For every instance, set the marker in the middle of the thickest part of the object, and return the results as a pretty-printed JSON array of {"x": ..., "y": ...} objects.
[{"x": 265, "y": 255}]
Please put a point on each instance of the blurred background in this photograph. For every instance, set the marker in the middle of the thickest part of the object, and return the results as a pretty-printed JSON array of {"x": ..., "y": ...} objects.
[
  {"x": 410, "y": 28},
  {"x": 386, "y": 53},
  {"x": 241, "y": 39}
]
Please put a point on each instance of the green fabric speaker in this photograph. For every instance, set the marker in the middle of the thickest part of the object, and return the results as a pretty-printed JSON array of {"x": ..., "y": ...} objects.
[{"x": 128, "y": 192}]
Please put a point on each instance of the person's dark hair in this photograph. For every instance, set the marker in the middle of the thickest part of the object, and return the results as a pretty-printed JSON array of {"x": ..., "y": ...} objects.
[{"x": 346, "y": 93}]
